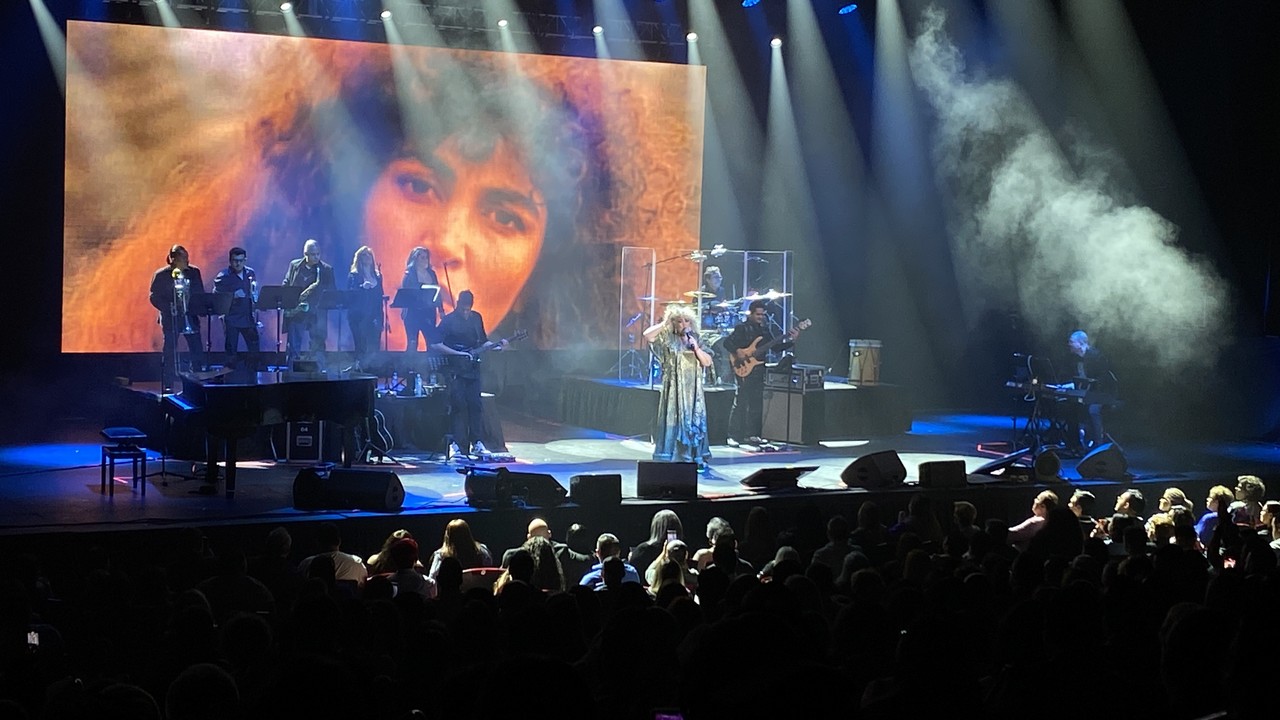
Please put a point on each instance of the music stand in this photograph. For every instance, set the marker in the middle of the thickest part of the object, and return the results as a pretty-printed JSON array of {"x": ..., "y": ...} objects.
[
  {"x": 207, "y": 305},
  {"x": 279, "y": 298},
  {"x": 419, "y": 299},
  {"x": 416, "y": 298},
  {"x": 342, "y": 300}
]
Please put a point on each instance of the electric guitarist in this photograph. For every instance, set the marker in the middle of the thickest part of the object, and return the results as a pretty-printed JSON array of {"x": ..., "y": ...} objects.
[
  {"x": 461, "y": 336},
  {"x": 747, "y": 346}
]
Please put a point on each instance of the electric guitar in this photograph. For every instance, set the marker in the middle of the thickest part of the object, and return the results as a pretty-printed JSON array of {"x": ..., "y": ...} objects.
[
  {"x": 745, "y": 359},
  {"x": 477, "y": 353}
]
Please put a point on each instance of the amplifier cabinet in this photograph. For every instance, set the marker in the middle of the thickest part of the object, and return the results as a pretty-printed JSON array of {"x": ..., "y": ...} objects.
[
  {"x": 795, "y": 377},
  {"x": 805, "y": 411}
]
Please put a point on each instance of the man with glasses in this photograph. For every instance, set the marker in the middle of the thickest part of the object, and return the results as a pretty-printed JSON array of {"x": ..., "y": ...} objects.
[
  {"x": 239, "y": 281},
  {"x": 307, "y": 325}
]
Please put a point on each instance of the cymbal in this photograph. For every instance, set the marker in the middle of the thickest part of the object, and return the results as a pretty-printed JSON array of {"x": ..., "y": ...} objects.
[
  {"x": 724, "y": 305},
  {"x": 699, "y": 294},
  {"x": 771, "y": 295}
]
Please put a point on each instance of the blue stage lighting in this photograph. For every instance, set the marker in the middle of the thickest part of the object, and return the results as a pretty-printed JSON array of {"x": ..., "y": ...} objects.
[
  {"x": 750, "y": 3},
  {"x": 846, "y": 9}
]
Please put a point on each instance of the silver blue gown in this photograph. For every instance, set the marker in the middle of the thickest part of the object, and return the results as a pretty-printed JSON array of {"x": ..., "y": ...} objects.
[{"x": 680, "y": 428}]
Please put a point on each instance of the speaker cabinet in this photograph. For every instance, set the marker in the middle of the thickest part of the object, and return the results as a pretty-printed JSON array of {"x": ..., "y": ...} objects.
[
  {"x": 877, "y": 470},
  {"x": 806, "y": 416},
  {"x": 348, "y": 489},
  {"x": 596, "y": 490},
  {"x": 780, "y": 478},
  {"x": 666, "y": 480},
  {"x": 943, "y": 474},
  {"x": 537, "y": 489},
  {"x": 486, "y": 487},
  {"x": 1105, "y": 461}
]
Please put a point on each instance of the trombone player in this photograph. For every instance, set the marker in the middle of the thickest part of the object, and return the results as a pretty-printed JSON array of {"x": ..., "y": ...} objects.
[
  {"x": 171, "y": 289},
  {"x": 307, "y": 325}
]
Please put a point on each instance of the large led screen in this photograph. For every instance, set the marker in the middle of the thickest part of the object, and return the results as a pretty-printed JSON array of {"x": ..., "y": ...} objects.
[{"x": 523, "y": 175}]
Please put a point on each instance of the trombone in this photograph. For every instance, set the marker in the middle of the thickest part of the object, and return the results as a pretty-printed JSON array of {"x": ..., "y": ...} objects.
[{"x": 181, "y": 300}]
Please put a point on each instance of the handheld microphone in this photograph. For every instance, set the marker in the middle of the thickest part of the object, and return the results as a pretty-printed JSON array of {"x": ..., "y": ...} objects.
[{"x": 688, "y": 333}]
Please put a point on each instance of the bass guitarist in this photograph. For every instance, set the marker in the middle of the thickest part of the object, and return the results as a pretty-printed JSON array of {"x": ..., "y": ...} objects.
[
  {"x": 462, "y": 338},
  {"x": 746, "y": 346}
]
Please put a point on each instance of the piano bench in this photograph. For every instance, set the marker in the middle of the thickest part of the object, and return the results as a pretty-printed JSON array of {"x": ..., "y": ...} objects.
[{"x": 124, "y": 446}]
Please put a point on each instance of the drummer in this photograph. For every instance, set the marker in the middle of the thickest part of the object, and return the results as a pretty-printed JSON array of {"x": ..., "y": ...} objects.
[{"x": 711, "y": 296}]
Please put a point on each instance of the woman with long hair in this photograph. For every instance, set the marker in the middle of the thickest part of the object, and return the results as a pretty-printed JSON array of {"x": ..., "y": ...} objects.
[
  {"x": 422, "y": 315},
  {"x": 675, "y": 552},
  {"x": 380, "y": 562},
  {"x": 663, "y": 527},
  {"x": 364, "y": 311},
  {"x": 459, "y": 543},
  {"x": 680, "y": 428}
]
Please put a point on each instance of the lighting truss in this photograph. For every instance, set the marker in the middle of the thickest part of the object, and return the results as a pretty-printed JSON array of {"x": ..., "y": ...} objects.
[{"x": 440, "y": 15}]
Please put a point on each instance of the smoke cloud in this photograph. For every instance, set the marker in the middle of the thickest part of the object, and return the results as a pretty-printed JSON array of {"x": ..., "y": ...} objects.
[{"x": 1039, "y": 222}]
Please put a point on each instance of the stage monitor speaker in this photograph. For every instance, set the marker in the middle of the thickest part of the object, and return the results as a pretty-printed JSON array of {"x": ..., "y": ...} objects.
[
  {"x": 348, "y": 489},
  {"x": 486, "y": 487},
  {"x": 1106, "y": 461},
  {"x": 877, "y": 470},
  {"x": 596, "y": 490},
  {"x": 779, "y": 478},
  {"x": 1010, "y": 467},
  {"x": 943, "y": 474},
  {"x": 536, "y": 489},
  {"x": 805, "y": 411},
  {"x": 666, "y": 480}
]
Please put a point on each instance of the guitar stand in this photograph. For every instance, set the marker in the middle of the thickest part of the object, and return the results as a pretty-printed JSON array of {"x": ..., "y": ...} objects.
[{"x": 369, "y": 450}]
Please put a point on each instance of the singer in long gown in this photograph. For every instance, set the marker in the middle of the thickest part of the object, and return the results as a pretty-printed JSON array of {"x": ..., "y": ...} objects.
[{"x": 680, "y": 426}]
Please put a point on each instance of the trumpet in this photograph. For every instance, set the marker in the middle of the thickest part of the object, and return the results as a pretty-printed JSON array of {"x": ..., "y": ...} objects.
[
  {"x": 253, "y": 293},
  {"x": 182, "y": 299}
]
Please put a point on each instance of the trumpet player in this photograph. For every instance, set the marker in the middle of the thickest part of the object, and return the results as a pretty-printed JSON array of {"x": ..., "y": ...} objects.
[
  {"x": 307, "y": 325},
  {"x": 241, "y": 282},
  {"x": 171, "y": 289}
]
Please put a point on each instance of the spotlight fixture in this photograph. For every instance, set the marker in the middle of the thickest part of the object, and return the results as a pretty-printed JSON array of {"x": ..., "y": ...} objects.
[
  {"x": 691, "y": 37},
  {"x": 286, "y": 7},
  {"x": 502, "y": 23},
  {"x": 597, "y": 30},
  {"x": 775, "y": 43},
  {"x": 846, "y": 9},
  {"x": 386, "y": 14}
]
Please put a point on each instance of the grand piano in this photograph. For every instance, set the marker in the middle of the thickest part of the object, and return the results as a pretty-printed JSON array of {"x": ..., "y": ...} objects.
[{"x": 232, "y": 407}]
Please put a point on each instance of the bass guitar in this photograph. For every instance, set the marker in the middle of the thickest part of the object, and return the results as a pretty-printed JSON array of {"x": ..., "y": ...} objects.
[{"x": 746, "y": 359}]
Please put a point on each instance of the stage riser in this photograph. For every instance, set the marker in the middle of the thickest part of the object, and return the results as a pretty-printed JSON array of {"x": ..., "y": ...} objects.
[{"x": 847, "y": 412}]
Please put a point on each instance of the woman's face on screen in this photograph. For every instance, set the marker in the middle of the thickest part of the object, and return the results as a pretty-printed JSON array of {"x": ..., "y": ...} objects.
[{"x": 482, "y": 219}]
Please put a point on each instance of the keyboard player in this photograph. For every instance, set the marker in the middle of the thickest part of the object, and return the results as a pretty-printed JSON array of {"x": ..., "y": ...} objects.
[{"x": 1093, "y": 376}]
